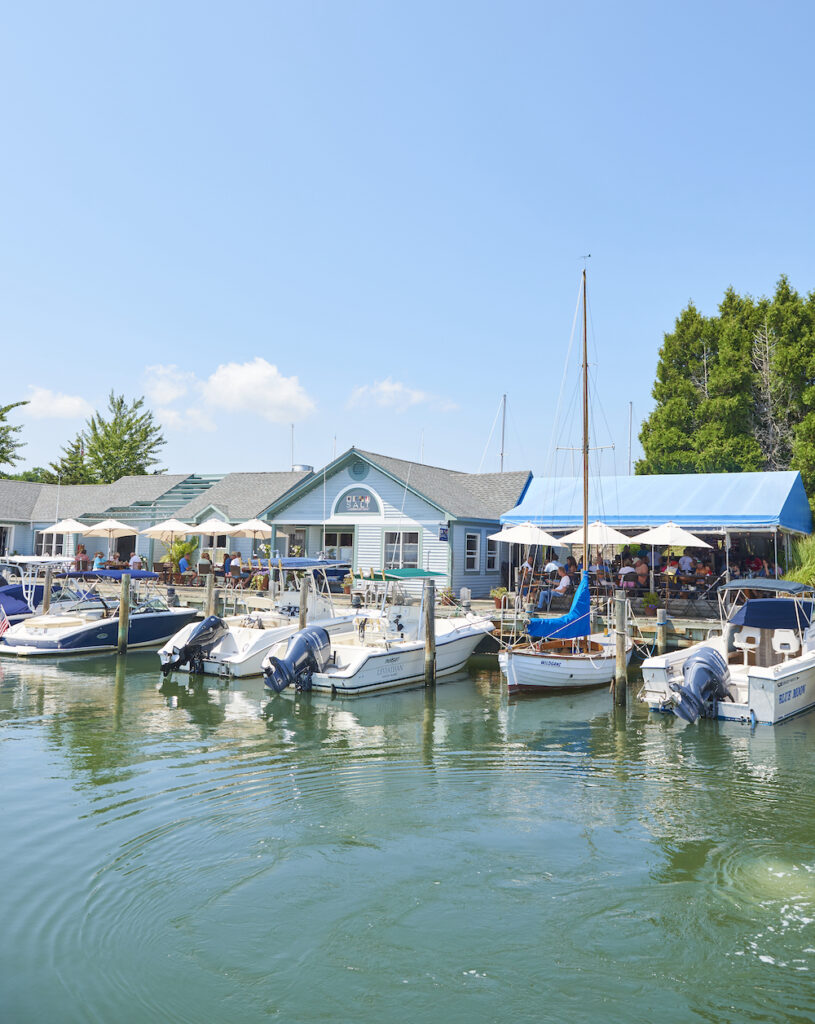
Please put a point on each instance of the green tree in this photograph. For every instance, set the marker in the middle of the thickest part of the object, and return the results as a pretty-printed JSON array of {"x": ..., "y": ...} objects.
[
  {"x": 9, "y": 444},
  {"x": 37, "y": 475},
  {"x": 125, "y": 443},
  {"x": 73, "y": 468},
  {"x": 736, "y": 391}
]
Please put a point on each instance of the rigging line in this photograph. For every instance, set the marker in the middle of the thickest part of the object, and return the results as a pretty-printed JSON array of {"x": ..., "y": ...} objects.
[
  {"x": 566, "y": 364},
  {"x": 492, "y": 431}
]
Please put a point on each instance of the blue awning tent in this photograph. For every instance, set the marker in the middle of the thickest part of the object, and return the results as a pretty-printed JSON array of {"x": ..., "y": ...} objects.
[{"x": 697, "y": 502}]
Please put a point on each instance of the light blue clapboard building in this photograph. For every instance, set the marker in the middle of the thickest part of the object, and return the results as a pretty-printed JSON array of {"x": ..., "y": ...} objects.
[{"x": 377, "y": 512}]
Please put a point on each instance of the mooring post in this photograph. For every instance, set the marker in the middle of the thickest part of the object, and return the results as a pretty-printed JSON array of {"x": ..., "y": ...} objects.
[
  {"x": 209, "y": 600},
  {"x": 620, "y": 630},
  {"x": 124, "y": 612},
  {"x": 429, "y": 633},
  {"x": 46, "y": 590},
  {"x": 303, "y": 600},
  {"x": 662, "y": 630}
]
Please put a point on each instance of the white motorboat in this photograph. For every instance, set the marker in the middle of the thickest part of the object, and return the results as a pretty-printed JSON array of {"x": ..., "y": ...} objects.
[
  {"x": 562, "y": 653},
  {"x": 86, "y": 622},
  {"x": 382, "y": 650},
  {"x": 761, "y": 668},
  {"x": 235, "y": 645}
]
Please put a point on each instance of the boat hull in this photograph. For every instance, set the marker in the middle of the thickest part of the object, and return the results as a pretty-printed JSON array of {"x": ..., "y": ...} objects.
[{"x": 545, "y": 672}]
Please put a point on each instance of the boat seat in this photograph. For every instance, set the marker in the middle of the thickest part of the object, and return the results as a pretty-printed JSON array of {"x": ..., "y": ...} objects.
[
  {"x": 747, "y": 640},
  {"x": 786, "y": 642}
]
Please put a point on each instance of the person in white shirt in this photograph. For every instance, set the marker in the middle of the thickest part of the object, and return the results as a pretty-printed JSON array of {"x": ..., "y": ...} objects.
[
  {"x": 135, "y": 561},
  {"x": 685, "y": 563},
  {"x": 563, "y": 585}
]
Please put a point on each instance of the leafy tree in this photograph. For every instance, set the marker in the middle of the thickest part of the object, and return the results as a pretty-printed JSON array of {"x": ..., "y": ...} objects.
[
  {"x": 736, "y": 391},
  {"x": 9, "y": 445},
  {"x": 72, "y": 468},
  {"x": 125, "y": 443},
  {"x": 37, "y": 475}
]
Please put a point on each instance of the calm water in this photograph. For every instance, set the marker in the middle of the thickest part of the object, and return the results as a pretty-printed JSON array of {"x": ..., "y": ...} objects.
[{"x": 221, "y": 855}]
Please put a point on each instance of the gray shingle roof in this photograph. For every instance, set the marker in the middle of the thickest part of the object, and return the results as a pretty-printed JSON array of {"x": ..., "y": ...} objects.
[
  {"x": 465, "y": 495},
  {"x": 89, "y": 499},
  {"x": 17, "y": 500},
  {"x": 242, "y": 496}
]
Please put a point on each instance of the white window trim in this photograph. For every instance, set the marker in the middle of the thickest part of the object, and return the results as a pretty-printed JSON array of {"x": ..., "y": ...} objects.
[
  {"x": 403, "y": 531},
  {"x": 492, "y": 554},
  {"x": 477, "y": 535}
]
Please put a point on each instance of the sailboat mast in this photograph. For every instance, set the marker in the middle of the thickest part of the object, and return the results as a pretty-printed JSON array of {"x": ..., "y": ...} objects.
[{"x": 585, "y": 433}]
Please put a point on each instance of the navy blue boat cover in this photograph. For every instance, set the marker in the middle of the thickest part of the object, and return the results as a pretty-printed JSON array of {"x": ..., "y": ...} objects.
[
  {"x": 109, "y": 574},
  {"x": 774, "y": 613},
  {"x": 576, "y": 622}
]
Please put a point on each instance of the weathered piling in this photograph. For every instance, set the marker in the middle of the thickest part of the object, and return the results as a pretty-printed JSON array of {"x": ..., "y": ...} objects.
[
  {"x": 429, "y": 632},
  {"x": 46, "y": 590},
  {"x": 620, "y": 630},
  {"x": 209, "y": 603},
  {"x": 303, "y": 600},
  {"x": 662, "y": 630},
  {"x": 124, "y": 613}
]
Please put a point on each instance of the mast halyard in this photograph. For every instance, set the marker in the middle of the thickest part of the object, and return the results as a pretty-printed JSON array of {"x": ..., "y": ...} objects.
[{"x": 585, "y": 433}]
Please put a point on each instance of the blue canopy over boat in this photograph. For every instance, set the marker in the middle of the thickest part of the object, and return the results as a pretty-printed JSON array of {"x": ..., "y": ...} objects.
[
  {"x": 108, "y": 574},
  {"x": 575, "y": 623},
  {"x": 774, "y": 613}
]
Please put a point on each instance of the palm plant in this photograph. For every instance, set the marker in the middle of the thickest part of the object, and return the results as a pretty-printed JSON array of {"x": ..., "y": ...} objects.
[{"x": 178, "y": 548}]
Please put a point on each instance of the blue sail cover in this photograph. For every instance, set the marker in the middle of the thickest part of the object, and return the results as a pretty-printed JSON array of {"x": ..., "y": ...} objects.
[{"x": 576, "y": 622}]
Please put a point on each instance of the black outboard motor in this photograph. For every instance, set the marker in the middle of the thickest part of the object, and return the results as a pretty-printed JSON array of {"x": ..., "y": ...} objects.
[
  {"x": 707, "y": 679},
  {"x": 202, "y": 639},
  {"x": 308, "y": 651}
]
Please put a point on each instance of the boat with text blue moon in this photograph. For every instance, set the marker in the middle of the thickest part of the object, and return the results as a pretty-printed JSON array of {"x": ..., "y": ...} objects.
[
  {"x": 761, "y": 668},
  {"x": 90, "y": 624}
]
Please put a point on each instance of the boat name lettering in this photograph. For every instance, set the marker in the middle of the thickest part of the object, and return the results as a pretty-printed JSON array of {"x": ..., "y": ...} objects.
[
  {"x": 393, "y": 657},
  {"x": 386, "y": 671},
  {"x": 796, "y": 691},
  {"x": 554, "y": 664}
]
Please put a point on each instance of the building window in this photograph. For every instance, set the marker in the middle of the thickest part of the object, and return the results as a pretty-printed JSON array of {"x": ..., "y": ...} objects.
[
  {"x": 401, "y": 550},
  {"x": 48, "y": 543},
  {"x": 339, "y": 546},
  {"x": 492, "y": 555},
  {"x": 472, "y": 552},
  {"x": 215, "y": 541}
]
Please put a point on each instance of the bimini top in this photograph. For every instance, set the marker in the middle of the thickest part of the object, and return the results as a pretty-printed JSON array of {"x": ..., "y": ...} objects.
[
  {"x": 695, "y": 501},
  {"x": 402, "y": 574},
  {"x": 769, "y": 613},
  {"x": 775, "y": 586},
  {"x": 306, "y": 563}
]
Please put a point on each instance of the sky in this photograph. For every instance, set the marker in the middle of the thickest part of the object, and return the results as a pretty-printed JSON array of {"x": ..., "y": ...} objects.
[{"x": 368, "y": 219}]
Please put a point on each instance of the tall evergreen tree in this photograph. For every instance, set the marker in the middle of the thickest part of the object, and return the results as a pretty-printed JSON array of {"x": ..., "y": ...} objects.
[
  {"x": 9, "y": 444},
  {"x": 736, "y": 391},
  {"x": 125, "y": 443}
]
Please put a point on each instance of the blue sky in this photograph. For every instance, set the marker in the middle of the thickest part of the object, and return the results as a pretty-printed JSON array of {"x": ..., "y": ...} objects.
[{"x": 367, "y": 218}]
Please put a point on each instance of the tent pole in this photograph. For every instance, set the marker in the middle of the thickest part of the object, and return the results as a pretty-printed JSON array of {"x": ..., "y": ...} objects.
[
  {"x": 775, "y": 552},
  {"x": 727, "y": 556}
]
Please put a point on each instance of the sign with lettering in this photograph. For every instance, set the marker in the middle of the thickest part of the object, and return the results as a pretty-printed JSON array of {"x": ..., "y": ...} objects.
[{"x": 359, "y": 501}]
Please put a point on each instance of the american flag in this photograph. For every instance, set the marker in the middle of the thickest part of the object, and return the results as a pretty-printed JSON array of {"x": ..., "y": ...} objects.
[{"x": 4, "y": 622}]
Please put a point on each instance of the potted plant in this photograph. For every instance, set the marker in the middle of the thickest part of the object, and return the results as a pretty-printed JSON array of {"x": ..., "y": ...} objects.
[
  {"x": 650, "y": 602},
  {"x": 178, "y": 549},
  {"x": 497, "y": 594},
  {"x": 347, "y": 583},
  {"x": 446, "y": 596}
]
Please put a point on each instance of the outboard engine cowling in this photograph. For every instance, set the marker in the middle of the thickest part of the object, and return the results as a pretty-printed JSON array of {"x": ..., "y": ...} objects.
[
  {"x": 307, "y": 652},
  {"x": 202, "y": 639},
  {"x": 707, "y": 680}
]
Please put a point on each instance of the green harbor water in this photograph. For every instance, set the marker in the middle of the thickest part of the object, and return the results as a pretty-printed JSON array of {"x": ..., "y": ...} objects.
[{"x": 225, "y": 855}]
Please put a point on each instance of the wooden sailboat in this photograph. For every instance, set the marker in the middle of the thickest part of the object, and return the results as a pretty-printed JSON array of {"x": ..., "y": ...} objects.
[{"x": 563, "y": 654}]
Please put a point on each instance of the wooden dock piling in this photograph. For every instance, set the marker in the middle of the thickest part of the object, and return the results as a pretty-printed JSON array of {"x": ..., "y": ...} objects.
[
  {"x": 429, "y": 633},
  {"x": 46, "y": 590},
  {"x": 209, "y": 603},
  {"x": 662, "y": 630},
  {"x": 303, "y": 600},
  {"x": 124, "y": 613},
  {"x": 620, "y": 632}
]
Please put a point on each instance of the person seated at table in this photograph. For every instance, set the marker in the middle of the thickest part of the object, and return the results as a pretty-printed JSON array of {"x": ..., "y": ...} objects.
[
  {"x": 227, "y": 563},
  {"x": 236, "y": 568},
  {"x": 685, "y": 563},
  {"x": 205, "y": 563},
  {"x": 626, "y": 574},
  {"x": 98, "y": 560},
  {"x": 753, "y": 563},
  {"x": 571, "y": 565},
  {"x": 643, "y": 576},
  {"x": 81, "y": 559},
  {"x": 735, "y": 571},
  {"x": 564, "y": 583},
  {"x": 135, "y": 561},
  {"x": 602, "y": 581},
  {"x": 551, "y": 566},
  {"x": 183, "y": 564}
]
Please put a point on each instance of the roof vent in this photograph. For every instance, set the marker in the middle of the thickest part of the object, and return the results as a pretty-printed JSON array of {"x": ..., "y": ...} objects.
[{"x": 302, "y": 468}]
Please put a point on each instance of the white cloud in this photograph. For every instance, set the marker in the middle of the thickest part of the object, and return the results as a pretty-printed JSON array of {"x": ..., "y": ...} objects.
[
  {"x": 191, "y": 419},
  {"x": 393, "y": 394},
  {"x": 166, "y": 383},
  {"x": 53, "y": 405},
  {"x": 257, "y": 387}
]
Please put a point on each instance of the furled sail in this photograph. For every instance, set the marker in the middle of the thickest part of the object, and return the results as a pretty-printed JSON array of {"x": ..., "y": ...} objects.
[{"x": 576, "y": 622}]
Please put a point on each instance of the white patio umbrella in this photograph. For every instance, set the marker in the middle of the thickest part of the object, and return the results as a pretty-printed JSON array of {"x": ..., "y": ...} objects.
[
  {"x": 525, "y": 533},
  {"x": 213, "y": 526},
  {"x": 669, "y": 535},
  {"x": 600, "y": 535},
  {"x": 66, "y": 526},
  {"x": 168, "y": 530},
  {"x": 109, "y": 528},
  {"x": 253, "y": 528}
]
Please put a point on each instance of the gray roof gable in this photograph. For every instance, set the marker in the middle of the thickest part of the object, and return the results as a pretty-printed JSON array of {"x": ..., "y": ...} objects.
[
  {"x": 17, "y": 500},
  {"x": 463, "y": 495},
  {"x": 242, "y": 496},
  {"x": 94, "y": 499}
]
